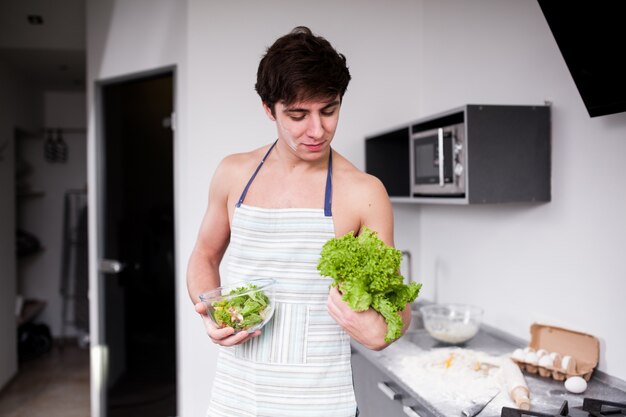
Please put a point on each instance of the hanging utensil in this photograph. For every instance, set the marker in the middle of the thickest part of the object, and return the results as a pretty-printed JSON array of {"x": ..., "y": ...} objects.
[
  {"x": 49, "y": 147},
  {"x": 60, "y": 147}
]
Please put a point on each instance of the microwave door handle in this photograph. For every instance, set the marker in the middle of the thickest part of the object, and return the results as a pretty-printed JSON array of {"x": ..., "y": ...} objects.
[{"x": 440, "y": 155}]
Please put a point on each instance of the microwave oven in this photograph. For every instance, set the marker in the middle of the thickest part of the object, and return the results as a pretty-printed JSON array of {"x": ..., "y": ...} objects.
[{"x": 437, "y": 161}]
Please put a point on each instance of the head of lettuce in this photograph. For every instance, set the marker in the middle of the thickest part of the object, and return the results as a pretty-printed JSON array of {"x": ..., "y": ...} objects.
[{"x": 367, "y": 273}]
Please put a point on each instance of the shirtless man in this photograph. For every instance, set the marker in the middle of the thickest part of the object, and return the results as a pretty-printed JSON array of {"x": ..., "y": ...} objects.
[{"x": 311, "y": 193}]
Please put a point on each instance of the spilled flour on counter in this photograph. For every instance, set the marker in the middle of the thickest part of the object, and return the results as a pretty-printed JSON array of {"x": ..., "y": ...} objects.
[{"x": 450, "y": 378}]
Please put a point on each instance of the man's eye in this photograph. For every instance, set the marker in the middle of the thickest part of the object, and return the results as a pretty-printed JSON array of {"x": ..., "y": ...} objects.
[{"x": 296, "y": 118}]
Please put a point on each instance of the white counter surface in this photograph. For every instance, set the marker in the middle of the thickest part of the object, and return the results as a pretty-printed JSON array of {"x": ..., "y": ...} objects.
[{"x": 440, "y": 377}]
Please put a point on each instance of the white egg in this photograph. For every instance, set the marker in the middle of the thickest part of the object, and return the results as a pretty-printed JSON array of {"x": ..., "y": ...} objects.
[
  {"x": 546, "y": 361},
  {"x": 556, "y": 360},
  {"x": 518, "y": 354},
  {"x": 531, "y": 357},
  {"x": 575, "y": 384},
  {"x": 542, "y": 352},
  {"x": 568, "y": 364}
]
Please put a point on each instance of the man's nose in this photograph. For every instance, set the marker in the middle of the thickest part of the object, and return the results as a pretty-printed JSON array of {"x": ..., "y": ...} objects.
[{"x": 314, "y": 127}]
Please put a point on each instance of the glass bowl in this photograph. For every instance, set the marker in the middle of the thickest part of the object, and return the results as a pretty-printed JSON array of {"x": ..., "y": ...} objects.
[
  {"x": 243, "y": 305},
  {"x": 452, "y": 323}
]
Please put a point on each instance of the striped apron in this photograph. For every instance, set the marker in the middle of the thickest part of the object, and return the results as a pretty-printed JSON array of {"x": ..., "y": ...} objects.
[{"x": 300, "y": 364}]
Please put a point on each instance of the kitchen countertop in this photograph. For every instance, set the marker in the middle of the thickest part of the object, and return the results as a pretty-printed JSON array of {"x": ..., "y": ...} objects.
[{"x": 546, "y": 394}]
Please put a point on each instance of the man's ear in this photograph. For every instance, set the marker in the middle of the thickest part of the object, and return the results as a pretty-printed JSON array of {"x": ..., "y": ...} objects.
[{"x": 269, "y": 112}]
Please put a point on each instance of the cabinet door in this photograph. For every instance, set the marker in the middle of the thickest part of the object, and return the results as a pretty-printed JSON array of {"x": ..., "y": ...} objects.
[{"x": 376, "y": 394}]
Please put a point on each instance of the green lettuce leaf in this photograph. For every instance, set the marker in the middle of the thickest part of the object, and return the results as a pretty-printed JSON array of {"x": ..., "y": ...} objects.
[{"x": 366, "y": 271}]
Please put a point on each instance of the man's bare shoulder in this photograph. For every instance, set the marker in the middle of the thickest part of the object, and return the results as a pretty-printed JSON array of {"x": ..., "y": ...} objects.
[
  {"x": 233, "y": 171},
  {"x": 242, "y": 163},
  {"x": 360, "y": 199},
  {"x": 239, "y": 160},
  {"x": 348, "y": 175}
]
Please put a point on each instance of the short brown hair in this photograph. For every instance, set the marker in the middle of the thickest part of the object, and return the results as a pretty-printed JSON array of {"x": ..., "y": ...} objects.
[{"x": 300, "y": 66}]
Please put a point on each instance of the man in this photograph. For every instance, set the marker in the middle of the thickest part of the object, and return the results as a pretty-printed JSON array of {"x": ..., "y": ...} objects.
[{"x": 275, "y": 207}]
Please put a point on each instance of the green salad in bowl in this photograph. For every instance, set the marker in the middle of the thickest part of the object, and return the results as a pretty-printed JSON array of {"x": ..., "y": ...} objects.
[{"x": 243, "y": 305}]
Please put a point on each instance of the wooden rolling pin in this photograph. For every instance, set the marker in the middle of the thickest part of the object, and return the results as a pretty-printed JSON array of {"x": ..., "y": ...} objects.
[{"x": 515, "y": 384}]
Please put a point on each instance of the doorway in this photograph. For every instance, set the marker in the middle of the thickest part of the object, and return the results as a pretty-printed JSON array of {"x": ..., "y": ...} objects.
[{"x": 136, "y": 245}]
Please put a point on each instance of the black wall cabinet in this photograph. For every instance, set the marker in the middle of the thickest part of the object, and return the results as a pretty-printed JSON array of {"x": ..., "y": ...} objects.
[{"x": 507, "y": 156}]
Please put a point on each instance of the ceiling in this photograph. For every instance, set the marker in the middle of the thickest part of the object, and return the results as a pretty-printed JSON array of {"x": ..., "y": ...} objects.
[{"x": 50, "y": 54}]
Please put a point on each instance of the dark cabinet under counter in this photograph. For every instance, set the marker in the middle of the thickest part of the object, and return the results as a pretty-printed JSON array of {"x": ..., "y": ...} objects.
[
  {"x": 474, "y": 154},
  {"x": 377, "y": 394}
]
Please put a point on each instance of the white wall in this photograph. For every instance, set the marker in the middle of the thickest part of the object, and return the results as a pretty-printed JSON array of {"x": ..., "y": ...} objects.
[
  {"x": 128, "y": 37},
  {"x": 558, "y": 263},
  {"x": 20, "y": 105},
  {"x": 496, "y": 52}
]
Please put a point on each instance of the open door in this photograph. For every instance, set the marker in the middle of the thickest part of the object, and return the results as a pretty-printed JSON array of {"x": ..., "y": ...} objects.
[{"x": 136, "y": 291}]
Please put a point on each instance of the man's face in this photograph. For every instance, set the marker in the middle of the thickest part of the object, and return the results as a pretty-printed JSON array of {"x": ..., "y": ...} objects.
[{"x": 307, "y": 127}]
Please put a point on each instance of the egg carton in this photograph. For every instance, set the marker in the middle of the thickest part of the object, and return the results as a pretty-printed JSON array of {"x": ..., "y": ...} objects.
[{"x": 558, "y": 353}]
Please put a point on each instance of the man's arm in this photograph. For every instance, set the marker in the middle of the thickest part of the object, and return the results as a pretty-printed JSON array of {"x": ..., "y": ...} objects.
[
  {"x": 369, "y": 327},
  {"x": 211, "y": 243},
  {"x": 379, "y": 217},
  {"x": 212, "y": 240}
]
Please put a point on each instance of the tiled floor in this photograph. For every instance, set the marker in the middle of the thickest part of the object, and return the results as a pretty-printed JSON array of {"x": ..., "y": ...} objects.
[{"x": 55, "y": 384}]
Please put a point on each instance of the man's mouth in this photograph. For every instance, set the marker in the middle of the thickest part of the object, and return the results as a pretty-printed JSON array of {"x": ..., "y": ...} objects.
[{"x": 314, "y": 146}]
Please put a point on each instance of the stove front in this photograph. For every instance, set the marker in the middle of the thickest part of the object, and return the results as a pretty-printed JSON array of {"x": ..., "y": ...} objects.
[
  {"x": 591, "y": 408},
  {"x": 598, "y": 408}
]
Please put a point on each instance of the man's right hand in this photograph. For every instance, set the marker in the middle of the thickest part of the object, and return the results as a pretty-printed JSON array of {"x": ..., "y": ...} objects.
[{"x": 223, "y": 336}]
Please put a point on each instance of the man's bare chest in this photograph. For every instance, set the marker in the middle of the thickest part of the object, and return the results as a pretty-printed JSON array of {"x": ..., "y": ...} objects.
[
  {"x": 305, "y": 191},
  {"x": 287, "y": 191}
]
